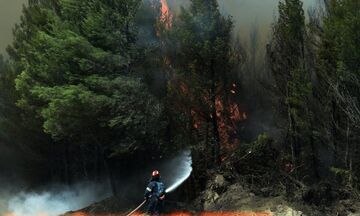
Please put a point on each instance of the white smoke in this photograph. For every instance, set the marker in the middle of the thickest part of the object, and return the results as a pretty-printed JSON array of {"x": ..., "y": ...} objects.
[{"x": 57, "y": 200}]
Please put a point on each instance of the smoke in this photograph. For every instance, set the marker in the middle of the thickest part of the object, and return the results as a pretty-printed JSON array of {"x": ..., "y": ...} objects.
[
  {"x": 54, "y": 201},
  {"x": 10, "y": 11},
  {"x": 244, "y": 12},
  {"x": 57, "y": 200}
]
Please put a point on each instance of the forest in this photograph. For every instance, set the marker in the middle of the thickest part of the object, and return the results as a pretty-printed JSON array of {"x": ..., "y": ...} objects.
[{"x": 94, "y": 90}]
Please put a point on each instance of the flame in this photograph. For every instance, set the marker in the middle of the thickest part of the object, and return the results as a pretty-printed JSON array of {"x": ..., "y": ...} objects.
[
  {"x": 228, "y": 113},
  {"x": 166, "y": 15},
  {"x": 180, "y": 213},
  {"x": 187, "y": 214},
  {"x": 229, "y": 116},
  {"x": 164, "y": 7},
  {"x": 79, "y": 214},
  {"x": 184, "y": 89}
]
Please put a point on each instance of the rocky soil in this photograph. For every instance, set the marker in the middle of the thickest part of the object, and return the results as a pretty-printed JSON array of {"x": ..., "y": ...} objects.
[{"x": 222, "y": 196}]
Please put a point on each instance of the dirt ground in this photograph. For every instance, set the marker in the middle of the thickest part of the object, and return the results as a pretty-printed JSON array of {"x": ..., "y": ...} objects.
[{"x": 224, "y": 199}]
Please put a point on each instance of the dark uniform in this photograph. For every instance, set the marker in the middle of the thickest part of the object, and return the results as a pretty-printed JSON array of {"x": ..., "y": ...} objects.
[{"x": 155, "y": 194}]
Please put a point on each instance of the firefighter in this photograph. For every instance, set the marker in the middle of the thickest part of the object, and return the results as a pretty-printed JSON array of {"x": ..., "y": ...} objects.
[{"x": 155, "y": 194}]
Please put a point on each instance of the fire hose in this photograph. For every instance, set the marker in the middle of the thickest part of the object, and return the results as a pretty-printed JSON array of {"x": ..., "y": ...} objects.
[
  {"x": 179, "y": 181},
  {"x": 137, "y": 208}
]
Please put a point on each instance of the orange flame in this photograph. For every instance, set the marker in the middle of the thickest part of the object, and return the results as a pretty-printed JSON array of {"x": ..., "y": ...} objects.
[
  {"x": 169, "y": 214},
  {"x": 228, "y": 114},
  {"x": 164, "y": 7},
  {"x": 166, "y": 15},
  {"x": 188, "y": 214}
]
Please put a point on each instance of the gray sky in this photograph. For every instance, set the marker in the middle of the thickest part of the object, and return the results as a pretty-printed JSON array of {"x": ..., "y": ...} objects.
[
  {"x": 10, "y": 11},
  {"x": 249, "y": 13},
  {"x": 245, "y": 13}
]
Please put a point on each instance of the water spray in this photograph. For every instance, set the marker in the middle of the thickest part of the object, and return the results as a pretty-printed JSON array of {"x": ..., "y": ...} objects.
[
  {"x": 183, "y": 172},
  {"x": 178, "y": 183}
]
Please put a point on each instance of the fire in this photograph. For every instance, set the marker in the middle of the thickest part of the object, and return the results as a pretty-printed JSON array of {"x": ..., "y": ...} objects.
[
  {"x": 187, "y": 214},
  {"x": 229, "y": 116},
  {"x": 79, "y": 214},
  {"x": 176, "y": 214},
  {"x": 180, "y": 214},
  {"x": 228, "y": 113},
  {"x": 164, "y": 7},
  {"x": 166, "y": 15}
]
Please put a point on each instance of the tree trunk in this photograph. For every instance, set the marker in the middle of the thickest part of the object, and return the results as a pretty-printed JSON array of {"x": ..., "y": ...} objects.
[
  {"x": 291, "y": 129},
  {"x": 84, "y": 162},
  {"x": 347, "y": 145},
  {"x": 99, "y": 162},
  {"x": 66, "y": 160},
  {"x": 314, "y": 156},
  {"x": 349, "y": 155},
  {"x": 334, "y": 131},
  {"x": 214, "y": 120}
]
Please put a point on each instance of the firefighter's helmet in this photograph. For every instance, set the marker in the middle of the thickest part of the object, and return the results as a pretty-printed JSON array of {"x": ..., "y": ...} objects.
[{"x": 155, "y": 174}]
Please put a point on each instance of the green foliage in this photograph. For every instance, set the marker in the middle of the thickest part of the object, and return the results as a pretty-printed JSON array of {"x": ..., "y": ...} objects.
[
  {"x": 76, "y": 73},
  {"x": 340, "y": 53},
  {"x": 202, "y": 42},
  {"x": 287, "y": 42},
  {"x": 340, "y": 68},
  {"x": 256, "y": 160},
  {"x": 300, "y": 89},
  {"x": 262, "y": 142},
  {"x": 342, "y": 175},
  {"x": 19, "y": 132},
  {"x": 289, "y": 66},
  {"x": 293, "y": 68},
  {"x": 342, "y": 27},
  {"x": 339, "y": 172}
]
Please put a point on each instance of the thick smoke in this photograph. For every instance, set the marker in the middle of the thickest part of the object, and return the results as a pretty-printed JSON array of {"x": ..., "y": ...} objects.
[
  {"x": 10, "y": 11},
  {"x": 56, "y": 200},
  {"x": 244, "y": 12},
  {"x": 53, "y": 201}
]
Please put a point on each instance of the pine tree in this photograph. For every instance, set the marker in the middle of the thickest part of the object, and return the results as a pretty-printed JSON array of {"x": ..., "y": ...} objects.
[
  {"x": 339, "y": 57},
  {"x": 77, "y": 74},
  {"x": 293, "y": 78},
  {"x": 200, "y": 51}
]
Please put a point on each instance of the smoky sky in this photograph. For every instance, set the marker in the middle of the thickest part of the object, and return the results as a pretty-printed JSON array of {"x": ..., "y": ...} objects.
[
  {"x": 246, "y": 14},
  {"x": 10, "y": 11}
]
